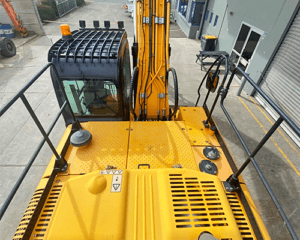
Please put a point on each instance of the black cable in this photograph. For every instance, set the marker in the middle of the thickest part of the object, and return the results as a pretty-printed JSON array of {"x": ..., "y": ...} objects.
[
  {"x": 133, "y": 77},
  {"x": 142, "y": 72},
  {"x": 176, "y": 91},
  {"x": 150, "y": 56}
]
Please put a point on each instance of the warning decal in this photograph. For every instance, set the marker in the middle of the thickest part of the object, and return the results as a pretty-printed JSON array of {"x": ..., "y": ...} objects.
[{"x": 116, "y": 183}]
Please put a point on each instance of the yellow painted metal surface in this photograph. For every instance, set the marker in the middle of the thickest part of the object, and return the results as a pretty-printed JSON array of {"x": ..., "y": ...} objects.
[
  {"x": 193, "y": 118},
  {"x": 152, "y": 60},
  {"x": 160, "y": 144},
  {"x": 151, "y": 204},
  {"x": 224, "y": 169},
  {"x": 109, "y": 146},
  {"x": 156, "y": 203}
]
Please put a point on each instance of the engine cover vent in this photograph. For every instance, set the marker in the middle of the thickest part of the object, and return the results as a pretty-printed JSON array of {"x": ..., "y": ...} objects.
[
  {"x": 28, "y": 214},
  {"x": 196, "y": 203}
]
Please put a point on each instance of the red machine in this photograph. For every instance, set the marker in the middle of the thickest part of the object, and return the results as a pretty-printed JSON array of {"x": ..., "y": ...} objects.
[{"x": 14, "y": 18}]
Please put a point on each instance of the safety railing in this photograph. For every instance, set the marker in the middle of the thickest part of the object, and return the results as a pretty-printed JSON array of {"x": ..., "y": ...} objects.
[
  {"x": 219, "y": 60},
  {"x": 60, "y": 163},
  {"x": 232, "y": 183}
]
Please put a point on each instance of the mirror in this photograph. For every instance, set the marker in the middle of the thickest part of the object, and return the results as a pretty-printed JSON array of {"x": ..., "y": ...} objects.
[{"x": 211, "y": 84}]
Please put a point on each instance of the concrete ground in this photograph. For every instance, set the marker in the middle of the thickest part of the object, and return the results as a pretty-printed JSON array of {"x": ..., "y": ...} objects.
[{"x": 279, "y": 159}]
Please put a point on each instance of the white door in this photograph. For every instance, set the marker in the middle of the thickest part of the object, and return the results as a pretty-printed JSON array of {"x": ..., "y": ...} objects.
[{"x": 244, "y": 47}]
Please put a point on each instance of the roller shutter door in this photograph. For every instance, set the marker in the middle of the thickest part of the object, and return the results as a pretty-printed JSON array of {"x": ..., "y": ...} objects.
[{"x": 282, "y": 79}]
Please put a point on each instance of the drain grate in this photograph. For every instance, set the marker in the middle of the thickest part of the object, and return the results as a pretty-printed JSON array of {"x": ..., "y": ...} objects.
[
  {"x": 240, "y": 216},
  {"x": 196, "y": 203}
]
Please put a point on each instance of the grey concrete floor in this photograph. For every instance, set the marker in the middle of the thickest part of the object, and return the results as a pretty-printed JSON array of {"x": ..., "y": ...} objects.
[{"x": 279, "y": 159}]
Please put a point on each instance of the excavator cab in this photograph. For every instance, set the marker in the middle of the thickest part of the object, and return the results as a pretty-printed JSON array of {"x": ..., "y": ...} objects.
[{"x": 93, "y": 66}]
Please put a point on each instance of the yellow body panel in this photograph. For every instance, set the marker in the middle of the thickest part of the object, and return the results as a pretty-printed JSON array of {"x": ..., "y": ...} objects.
[
  {"x": 194, "y": 117},
  {"x": 109, "y": 146},
  {"x": 165, "y": 145},
  {"x": 152, "y": 79},
  {"x": 148, "y": 206},
  {"x": 157, "y": 203}
]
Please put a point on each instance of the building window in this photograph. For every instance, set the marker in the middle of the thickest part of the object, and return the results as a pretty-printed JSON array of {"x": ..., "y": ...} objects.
[
  {"x": 207, "y": 14},
  {"x": 183, "y": 4},
  {"x": 216, "y": 20},
  {"x": 211, "y": 16}
]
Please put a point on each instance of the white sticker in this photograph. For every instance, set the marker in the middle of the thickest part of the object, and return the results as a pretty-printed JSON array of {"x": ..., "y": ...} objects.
[{"x": 116, "y": 183}]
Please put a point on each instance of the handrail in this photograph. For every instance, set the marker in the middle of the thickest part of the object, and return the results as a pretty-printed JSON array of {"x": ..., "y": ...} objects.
[
  {"x": 232, "y": 183},
  {"x": 60, "y": 162},
  {"x": 220, "y": 58}
]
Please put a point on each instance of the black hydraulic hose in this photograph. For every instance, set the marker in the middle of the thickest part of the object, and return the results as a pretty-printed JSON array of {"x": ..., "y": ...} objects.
[
  {"x": 133, "y": 77},
  {"x": 176, "y": 90},
  {"x": 150, "y": 59}
]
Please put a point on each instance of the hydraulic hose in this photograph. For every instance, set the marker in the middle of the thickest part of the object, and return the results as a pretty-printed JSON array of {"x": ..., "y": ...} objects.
[
  {"x": 176, "y": 91},
  {"x": 133, "y": 77}
]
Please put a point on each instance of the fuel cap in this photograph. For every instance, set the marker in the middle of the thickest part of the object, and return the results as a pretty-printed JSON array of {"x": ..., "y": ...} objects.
[
  {"x": 81, "y": 138},
  {"x": 207, "y": 166},
  {"x": 211, "y": 153}
]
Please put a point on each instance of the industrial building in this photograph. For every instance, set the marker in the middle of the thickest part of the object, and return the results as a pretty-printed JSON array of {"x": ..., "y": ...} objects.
[{"x": 260, "y": 36}]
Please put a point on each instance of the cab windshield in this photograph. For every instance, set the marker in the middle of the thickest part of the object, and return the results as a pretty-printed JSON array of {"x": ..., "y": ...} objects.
[{"x": 93, "y": 97}]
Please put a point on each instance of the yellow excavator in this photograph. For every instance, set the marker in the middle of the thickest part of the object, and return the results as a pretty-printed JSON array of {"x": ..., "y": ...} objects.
[{"x": 129, "y": 165}]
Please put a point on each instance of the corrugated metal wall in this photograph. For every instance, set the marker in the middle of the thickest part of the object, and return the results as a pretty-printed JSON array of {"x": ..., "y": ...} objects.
[{"x": 282, "y": 79}]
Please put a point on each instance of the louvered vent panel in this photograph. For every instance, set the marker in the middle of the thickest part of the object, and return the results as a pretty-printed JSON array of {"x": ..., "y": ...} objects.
[
  {"x": 240, "y": 216},
  {"x": 196, "y": 203},
  {"x": 28, "y": 214},
  {"x": 46, "y": 213}
]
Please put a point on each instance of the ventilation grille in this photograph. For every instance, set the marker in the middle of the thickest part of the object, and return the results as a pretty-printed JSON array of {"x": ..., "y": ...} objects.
[
  {"x": 28, "y": 214},
  {"x": 196, "y": 203},
  {"x": 46, "y": 213},
  {"x": 240, "y": 216}
]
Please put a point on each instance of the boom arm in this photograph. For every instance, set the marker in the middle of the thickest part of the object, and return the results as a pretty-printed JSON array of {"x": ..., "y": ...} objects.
[{"x": 152, "y": 29}]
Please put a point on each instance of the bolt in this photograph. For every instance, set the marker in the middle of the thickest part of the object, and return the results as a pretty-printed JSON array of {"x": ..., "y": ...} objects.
[
  {"x": 231, "y": 189},
  {"x": 58, "y": 181},
  {"x": 183, "y": 129},
  {"x": 208, "y": 167},
  {"x": 194, "y": 141},
  {"x": 190, "y": 129}
]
